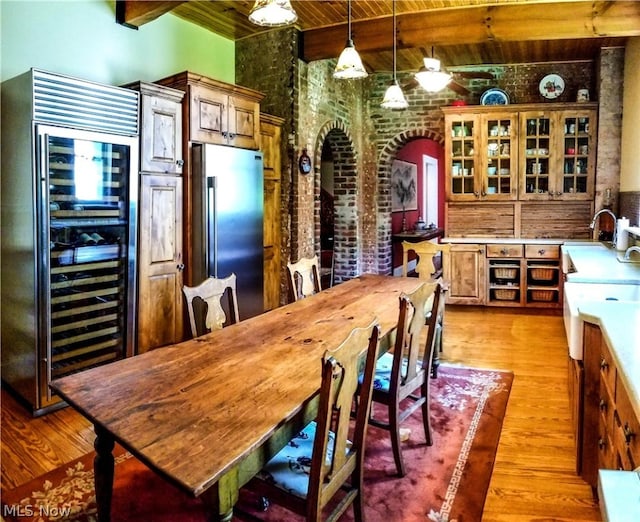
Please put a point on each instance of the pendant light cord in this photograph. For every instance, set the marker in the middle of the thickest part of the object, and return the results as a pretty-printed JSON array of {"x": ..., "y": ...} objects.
[
  {"x": 349, "y": 19},
  {"x": 393, "y": 3}
]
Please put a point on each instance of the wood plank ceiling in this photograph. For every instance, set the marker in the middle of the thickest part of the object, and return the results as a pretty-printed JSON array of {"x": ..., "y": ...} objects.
[{"x": 459, "y": 32}]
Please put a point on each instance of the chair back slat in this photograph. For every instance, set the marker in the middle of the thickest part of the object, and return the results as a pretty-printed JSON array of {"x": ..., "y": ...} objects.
[
  {"x": 304, "y": 278},
  {"x": 211, "y": 292}
]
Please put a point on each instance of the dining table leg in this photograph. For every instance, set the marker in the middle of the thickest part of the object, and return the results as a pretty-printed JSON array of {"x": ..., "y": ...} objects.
[
  {"x": 103, "y": 465},
  {"x": 220, "y": 498}
]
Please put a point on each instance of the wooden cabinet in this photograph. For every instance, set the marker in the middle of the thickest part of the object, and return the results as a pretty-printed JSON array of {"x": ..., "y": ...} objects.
[
  {"x": 610, "y": 428},
  {"x": 506, "y": 274},
  {"x": 160, "y": 128},
  {"x": 557, "y": 154},
  {"x": 530, "y": 167},
  {"x": 466, "y": 274},
  {"x": 218, "y": 112},
  {"x": 160, "y": 254},
  {"x": 520, "y": 152},
  {"x": 271, "y": 130},
  {"x": 160, "y": 301}
]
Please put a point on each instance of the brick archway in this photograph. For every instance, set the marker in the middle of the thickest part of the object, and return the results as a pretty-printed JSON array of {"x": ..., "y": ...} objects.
[
  {"x": 387, "y": 155},
  {"x": 345, "y": 245}
]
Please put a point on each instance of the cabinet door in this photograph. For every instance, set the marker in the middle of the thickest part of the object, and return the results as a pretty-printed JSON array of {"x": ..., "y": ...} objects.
[
  {"x": 466, "y": 274},
  {"x": 461, "y": 157},
  {"x": 538, "y": 159},
  {"x": 576, "y": 146},
  {"x": 160, "y": 300},
  {"x": 498, "y": 155},
  {"x": 270, "y": 144},
  {"x": 161, "y": 135},
  {"x": 208, "y": 115},
  {"x": 243, "y": 123}
]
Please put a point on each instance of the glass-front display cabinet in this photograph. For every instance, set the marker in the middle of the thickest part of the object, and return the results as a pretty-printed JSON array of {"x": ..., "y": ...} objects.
[
  {"x": 537, "y": 154},
  {"x": 461, "y": 156},
  {"x": 499, "y": 167},
  {"x": 577, "y": 152}
]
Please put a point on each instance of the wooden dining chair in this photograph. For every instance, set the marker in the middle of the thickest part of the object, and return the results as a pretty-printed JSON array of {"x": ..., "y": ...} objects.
[
  {"x": 327, "y": 456},
  {"x": 432, "y": 265},
  {"x": 402, "y": 374},
  {"x": 210, "y": 293},
  {"x": 304, "y": 278}
]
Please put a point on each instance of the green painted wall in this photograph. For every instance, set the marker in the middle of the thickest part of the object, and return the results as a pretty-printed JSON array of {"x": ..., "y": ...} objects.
[{"x": 81, "y": 38}]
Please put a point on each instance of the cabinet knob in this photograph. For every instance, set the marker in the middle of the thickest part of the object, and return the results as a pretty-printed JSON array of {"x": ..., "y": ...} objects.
[
  {"x": 603, "y": 364},
  {"x": 504, "y": 251},
  {"x": 180, "y": 267},
  {"x": 601, "y": 444},
  {"x": 628, "y": 434},
  {"x": 232, "y": 136},
  {"x": 603, "y": 405},
  {"x": 541, "y": 251},
  {"x": 180, "y": 163}
]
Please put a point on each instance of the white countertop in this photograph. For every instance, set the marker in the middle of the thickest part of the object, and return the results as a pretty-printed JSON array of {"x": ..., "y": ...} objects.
[
  {"x": 597, "y": 263},
  {"x": 618, "y": 320}
]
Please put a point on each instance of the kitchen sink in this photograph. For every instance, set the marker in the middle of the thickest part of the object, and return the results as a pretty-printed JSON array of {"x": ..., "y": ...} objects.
[{"x": 577, "y": 293}]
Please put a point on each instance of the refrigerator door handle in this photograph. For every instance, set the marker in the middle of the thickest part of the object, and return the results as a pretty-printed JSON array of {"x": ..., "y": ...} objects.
[{"x": 212, "y": 232}]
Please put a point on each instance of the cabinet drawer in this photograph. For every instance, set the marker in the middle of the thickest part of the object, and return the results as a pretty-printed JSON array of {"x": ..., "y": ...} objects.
[
  {"x": 607, "y": 370},
  {"x": 542, "y": 251},
  {"x": 627, "y": 430},
  {"x": 504, "y": 250},
  {"x": 606, "y": 450}
]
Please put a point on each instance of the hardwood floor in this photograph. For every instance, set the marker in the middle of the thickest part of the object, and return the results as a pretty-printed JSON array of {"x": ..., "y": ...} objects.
[{"x": 533, "y": 477}]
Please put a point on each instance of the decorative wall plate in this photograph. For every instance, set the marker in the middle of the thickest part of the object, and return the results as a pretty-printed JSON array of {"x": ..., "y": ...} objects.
[
  {"x": 551, "y": 86},
  {"x": 494, "y": 96}
]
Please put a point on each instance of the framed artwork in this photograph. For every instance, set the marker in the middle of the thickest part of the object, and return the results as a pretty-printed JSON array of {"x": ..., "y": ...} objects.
[{"x": 404, "y": 186}]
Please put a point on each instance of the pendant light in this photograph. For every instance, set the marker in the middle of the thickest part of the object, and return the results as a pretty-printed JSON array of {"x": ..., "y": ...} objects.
[
  {"x": 394, "y": 97},
  {"x": 349, "y": 64},
  {"x": 273, "y": 13},
  {"x": 430, "y": 77}
]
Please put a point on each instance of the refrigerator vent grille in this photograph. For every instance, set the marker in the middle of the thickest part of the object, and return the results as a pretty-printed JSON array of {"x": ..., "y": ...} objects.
[{"x": 67, "y": 101}]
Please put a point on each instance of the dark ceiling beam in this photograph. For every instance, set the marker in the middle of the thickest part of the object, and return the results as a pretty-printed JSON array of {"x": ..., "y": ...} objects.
[
  {"x": 476, "y": 25},
  {"x": 134, "y": 13}
]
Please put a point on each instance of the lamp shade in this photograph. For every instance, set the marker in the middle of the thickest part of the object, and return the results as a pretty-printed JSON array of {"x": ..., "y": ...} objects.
[
  {"x": 273, "y": 13},
  {"x": 349, "y": 64},
  {"x": 394, "y": 97},
  {"x": 430, "y": 77}
]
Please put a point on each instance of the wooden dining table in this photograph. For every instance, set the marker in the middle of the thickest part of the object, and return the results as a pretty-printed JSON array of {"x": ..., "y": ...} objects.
[{"x": 207, "y": 413}]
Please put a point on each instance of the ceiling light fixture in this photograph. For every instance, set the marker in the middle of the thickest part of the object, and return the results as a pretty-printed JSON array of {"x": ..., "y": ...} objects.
[
  {"x": 349, "y": 64},
  {"x": 430, "y": 77},
  {"x": 273, "y": 13},
  {"x": 394, "y": 97}
]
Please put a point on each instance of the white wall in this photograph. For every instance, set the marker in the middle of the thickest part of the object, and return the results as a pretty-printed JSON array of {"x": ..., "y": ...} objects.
[{"x": 630, "y": 147}]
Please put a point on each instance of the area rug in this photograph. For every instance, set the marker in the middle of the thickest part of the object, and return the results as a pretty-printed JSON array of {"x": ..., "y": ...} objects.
[{"x": 445, "y": 482}]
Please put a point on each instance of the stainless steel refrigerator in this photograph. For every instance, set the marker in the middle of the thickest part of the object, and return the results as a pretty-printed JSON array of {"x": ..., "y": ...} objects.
[
  {"x": 69, "y": 192},
  {"x": 228, "y": 220}
]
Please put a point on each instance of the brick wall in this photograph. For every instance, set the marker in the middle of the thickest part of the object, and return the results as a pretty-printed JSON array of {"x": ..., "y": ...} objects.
[{"x": 365, "y": 138}]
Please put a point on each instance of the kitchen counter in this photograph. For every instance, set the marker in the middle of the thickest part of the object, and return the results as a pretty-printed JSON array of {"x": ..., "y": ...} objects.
[
  {"x": 502, "y": 240},
  {"x": 598, "y": 263},
  {"x": 620, "y": 325}
]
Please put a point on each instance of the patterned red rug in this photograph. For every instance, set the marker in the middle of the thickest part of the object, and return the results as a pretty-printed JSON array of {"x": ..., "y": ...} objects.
[{"x": 445, "y": 482}]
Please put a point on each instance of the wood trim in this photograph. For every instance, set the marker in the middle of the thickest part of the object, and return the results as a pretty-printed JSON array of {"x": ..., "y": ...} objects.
[{"x": 474, "y": 25}]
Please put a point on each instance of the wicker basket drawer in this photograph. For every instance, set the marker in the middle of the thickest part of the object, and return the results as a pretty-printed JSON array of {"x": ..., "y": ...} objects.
[
  {"x": 504, "y": 250},
  {"x": 542, "y": 273},
  {"x": 505, "y": 272},
  {"x": 542, "y": 295},
  {"x": 505, "y": 294},
  {"x": 542, "y": 251}
]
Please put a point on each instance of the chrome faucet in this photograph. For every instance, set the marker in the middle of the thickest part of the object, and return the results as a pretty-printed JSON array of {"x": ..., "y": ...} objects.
[
  {"x": 592, "y": 225},
  {"x": 627, "y": 254}
]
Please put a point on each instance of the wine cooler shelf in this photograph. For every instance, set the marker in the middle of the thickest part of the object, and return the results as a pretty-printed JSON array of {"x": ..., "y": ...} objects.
[{"x": 88, "y": 202}]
